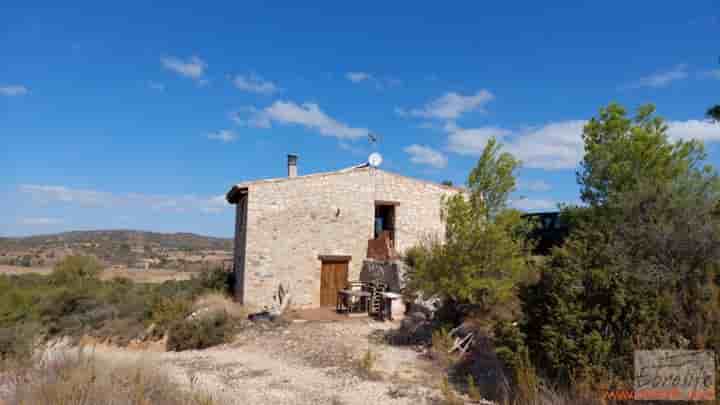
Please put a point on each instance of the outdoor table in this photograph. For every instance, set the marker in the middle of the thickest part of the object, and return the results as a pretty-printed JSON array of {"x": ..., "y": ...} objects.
[{"x": 343, "y": 301}]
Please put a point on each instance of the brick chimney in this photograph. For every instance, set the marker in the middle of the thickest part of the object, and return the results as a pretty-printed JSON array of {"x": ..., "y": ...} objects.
[{"x": 292, "y": 165}]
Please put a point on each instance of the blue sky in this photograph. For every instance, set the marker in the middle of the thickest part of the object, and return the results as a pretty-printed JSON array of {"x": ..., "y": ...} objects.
[{"x": 130, "y": 116}]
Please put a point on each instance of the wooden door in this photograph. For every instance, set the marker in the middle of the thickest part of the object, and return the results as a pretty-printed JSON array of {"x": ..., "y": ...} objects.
[{"x": 333, "y": 278}]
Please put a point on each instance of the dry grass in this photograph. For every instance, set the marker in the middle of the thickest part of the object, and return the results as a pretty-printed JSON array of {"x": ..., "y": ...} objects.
[
  {"x": 216, "y": 302},
  {"x": 449, "y": 396},
  {"x": 366, "y": 366},
  {"x": 82, "y": 380},
  {"x": 442, "y": 343},
  {"x": 367, "y": 362}
]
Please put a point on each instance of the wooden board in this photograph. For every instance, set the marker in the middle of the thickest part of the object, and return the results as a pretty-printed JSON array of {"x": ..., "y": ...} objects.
[{"x": 333, "y": 278}]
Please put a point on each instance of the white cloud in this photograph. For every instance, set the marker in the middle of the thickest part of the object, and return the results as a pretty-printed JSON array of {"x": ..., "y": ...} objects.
[
  {"x": 13, "y": 90},
  {"x": 255, "y": 84},
  {"x": 535, "y": 185},
  {"x": 557, "y": 145},
  {"x": 357, "y": 77},
  {"x": 694, "y": 129},
  {"x": 450, "y": 106},
  {"x": 47, "y": 194},
  {"x": 193, "y": 68},
  {"x": 156, "y": 86},
  {"x": 380, "y": 82},
  {"x": 553, "y": 146},
  {"x": 472, "y": 141},
  {"x": 662, "y": 79},
  {"x": 425, "y": 155},
  {"x": 308, "y": 115},
  {"x": 39, "y": 221},
  {"x": 224, "y": 136},
  {"x": 530, "y": 204}
]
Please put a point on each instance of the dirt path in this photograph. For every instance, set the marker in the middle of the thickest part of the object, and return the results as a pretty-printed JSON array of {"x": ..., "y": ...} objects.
[{"x": 300, "y": 363}]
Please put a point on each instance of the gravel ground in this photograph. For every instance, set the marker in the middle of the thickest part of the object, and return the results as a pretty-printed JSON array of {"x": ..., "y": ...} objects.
[{"x": 298, "y": 363}]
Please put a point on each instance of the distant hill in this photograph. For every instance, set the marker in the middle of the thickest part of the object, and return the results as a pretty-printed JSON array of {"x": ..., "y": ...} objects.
[
  {"x": 125, "y": 247},
  {"x": 166, "y": 240}
]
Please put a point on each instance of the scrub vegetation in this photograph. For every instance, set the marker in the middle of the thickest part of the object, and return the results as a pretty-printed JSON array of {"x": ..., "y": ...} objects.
[
  {"x": 73, "y": 302},
  {"x": 638, "y": 271}
]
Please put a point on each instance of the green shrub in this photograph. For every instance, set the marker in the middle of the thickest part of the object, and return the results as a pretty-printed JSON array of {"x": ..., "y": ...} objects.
[
  {"x": 73, "y": 301},
  {"x": 442, "y": 342},
  {"x": 639, "y": 270},
  {"x": 217, "y": 279},
  {"x": 192, "y": 334},
  {"x": 484, "y": 253},
  {"x": 472, "y": 389},
  {"x": 167, "y": 311},
  {"x": 76, "y": 268},
  {"x": 17, "y": 342},
  {"x": 449, "y": 396}
]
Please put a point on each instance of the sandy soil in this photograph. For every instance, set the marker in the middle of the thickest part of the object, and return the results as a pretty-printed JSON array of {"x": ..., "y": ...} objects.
[{"x": 298, "y": 363}]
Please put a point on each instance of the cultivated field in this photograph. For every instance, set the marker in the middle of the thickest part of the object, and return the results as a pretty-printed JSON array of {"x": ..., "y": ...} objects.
[{"x": 137, "y": 275}]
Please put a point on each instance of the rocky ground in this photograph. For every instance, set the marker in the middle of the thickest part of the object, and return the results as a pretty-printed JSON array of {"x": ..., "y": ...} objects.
[{"x": 300, "y": 363}]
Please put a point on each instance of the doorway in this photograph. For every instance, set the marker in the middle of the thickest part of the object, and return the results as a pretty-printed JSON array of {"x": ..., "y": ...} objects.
[
  {"x": 385, "y": 221},
  {"x": 333, "y": 278}
]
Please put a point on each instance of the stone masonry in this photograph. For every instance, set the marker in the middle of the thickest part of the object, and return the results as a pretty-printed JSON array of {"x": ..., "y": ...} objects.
[{"x": 293, "y": 221}]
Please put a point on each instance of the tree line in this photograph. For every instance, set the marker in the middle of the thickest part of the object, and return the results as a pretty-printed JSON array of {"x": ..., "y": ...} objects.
[{"x": 639, "y": 269}]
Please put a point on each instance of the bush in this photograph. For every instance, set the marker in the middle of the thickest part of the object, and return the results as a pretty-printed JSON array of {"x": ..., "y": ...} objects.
[
  {"x": 167, "y": 311},
  {"x": 472, "y": 389},
  {"x": 449, "y": 397},
  {"x": 73, "y": 301},
  {"x": 18, "y": 342},
  {"x": 639, "y": 270},
  {"x": 200, "y": 333},
  {"x": 76, "y": 268},
  {"x": 217, "y": 279},
  {"x": 484, "y": 253},
  {"x": 638, "y": 277},
  {"x": 217, "y": 302},
  {"x": 478, "y": 264}
]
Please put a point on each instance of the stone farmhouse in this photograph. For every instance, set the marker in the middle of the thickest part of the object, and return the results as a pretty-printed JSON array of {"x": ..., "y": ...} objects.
[{"x": 309, "y": 235}]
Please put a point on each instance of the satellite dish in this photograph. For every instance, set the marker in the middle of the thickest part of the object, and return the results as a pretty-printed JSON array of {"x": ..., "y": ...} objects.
[{"x": 375, "y": 159}]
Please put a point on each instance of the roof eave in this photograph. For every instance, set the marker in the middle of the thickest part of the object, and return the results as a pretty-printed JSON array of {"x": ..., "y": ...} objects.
[{"x": 233, "y": 196}]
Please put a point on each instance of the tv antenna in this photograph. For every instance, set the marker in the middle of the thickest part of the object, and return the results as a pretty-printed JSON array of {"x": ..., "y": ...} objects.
[
  {"x": 373, "y": 139},
  {"x": 374, "y": 160}
]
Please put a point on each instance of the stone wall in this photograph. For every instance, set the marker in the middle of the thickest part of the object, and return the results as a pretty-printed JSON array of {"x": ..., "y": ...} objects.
[{"x": 290, "y": 222}]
